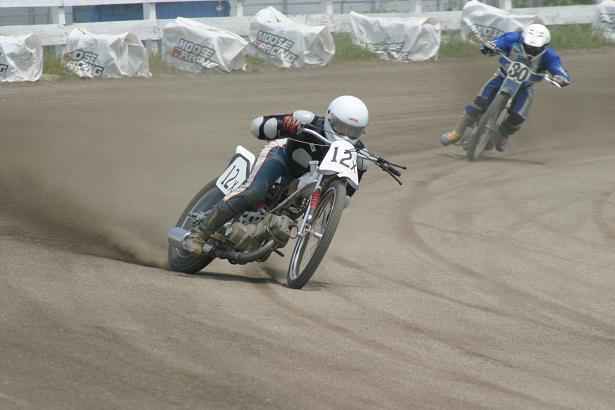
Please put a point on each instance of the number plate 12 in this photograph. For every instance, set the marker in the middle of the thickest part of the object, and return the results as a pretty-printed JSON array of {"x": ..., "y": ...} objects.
[{"x": 341, "y": 159}]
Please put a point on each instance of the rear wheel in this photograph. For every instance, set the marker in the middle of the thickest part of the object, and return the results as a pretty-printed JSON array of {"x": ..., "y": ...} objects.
[
  {"x": 184, "y": 261},
  {"x": 311, "y": 248},
  {"x": 486, "y": 127}
]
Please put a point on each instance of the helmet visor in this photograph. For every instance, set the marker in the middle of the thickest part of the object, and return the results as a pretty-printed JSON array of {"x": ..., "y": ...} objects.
[{"x": 346, "y": 130}]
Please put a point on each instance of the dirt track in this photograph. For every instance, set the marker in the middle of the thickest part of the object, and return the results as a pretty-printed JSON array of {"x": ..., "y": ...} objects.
[{"x": 486, "y": 285}]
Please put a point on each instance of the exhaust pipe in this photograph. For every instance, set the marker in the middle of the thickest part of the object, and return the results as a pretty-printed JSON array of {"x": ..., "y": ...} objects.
[
  {"x": 242, "y": 258},
  {"x": 176, "y": 237}
]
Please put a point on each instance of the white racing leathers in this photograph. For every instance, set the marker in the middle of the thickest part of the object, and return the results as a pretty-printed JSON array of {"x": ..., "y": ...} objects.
[
  {"x": 192, "y": 46},
  {"x": 397, "y": 38},
  {"x": 604, "y": 22},
  {"x": 490, "y": 22},
  {"x": 105, "y": 56},
  {"x": 21, "y": 58},
  {"x": 285, "y": 43}
]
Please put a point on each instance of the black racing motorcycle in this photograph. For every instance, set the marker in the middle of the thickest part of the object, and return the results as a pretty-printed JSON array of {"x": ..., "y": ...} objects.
[{"x": 307, "y": 210}]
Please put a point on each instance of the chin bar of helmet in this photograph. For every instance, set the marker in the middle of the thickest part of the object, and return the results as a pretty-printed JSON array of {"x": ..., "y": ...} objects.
[{"x": 387, "y": 166}]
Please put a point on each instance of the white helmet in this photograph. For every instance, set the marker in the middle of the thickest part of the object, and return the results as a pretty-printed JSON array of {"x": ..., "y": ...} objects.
[
  {"x": 536, "y": 38},
  {"x": 347, "y": 116}
]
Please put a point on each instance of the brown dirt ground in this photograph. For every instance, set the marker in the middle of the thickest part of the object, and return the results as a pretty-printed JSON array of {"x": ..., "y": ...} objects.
[{"x": 475, "y": 285}]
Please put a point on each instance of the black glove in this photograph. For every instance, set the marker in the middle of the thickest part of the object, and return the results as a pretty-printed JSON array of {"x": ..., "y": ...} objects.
[
  {"x": 488, "y": 49},
  {"x": 561, "y": 80}
]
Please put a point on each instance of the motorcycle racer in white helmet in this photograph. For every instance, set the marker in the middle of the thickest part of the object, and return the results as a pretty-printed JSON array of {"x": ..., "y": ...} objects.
[
  {"x": 347, "y": 117},
  {"x": 530, "y": 46},
  {"x": 286, "y": 155}
]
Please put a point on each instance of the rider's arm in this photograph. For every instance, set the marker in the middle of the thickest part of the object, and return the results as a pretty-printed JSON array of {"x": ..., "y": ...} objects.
[
  {"x": 553, "y": 65},
  {"x": 268, "y": 127},
  {"x": 507, "y": 40},
  {"x": 271, "y": 127},
  {"x": 503, "y": 42}
]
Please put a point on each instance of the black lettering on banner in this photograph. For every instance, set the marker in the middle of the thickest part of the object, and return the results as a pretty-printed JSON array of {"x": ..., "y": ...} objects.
[
  {"x": 394, "y": 48},
  {"x": 3, "y": 68},
  {"x": 608, "y": 18},
  {"x": 192, "y": 52},
  {"x": 85, "y": 61},
  {"x": 276, "y": 46}
]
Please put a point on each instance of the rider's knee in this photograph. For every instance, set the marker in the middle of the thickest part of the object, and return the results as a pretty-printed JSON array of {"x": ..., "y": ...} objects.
[
  {"x": 246, "y": 199},
  {"x": 477, "y": 108},
  {"x": 255, "y": 195}
]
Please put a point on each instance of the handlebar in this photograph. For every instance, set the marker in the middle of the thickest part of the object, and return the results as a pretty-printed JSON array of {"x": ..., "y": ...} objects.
[{"x": 387, "y": 166}]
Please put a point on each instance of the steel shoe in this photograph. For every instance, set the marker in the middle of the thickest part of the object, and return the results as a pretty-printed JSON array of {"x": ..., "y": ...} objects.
[{"x": 448, "y": 138}]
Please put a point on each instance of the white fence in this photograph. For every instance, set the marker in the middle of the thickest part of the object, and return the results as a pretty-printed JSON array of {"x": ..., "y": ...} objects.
[{"x": 150, "y": 27}]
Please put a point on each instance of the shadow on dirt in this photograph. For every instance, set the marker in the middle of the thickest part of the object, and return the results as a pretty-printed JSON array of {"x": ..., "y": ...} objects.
[{"x": 229, "y": 277}]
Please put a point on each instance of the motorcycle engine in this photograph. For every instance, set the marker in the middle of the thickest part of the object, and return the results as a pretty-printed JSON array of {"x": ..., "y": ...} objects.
[{"x": 249, "y": 236}]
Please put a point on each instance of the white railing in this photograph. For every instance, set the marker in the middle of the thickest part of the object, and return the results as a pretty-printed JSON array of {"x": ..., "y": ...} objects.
[{"x": 150, "y": 27}]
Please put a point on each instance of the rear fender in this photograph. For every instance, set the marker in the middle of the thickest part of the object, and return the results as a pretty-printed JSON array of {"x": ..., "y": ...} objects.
[{"x": 237, "y": 171}]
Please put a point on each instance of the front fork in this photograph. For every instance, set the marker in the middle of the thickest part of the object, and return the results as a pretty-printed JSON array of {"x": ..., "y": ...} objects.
[{"x": 306, "y": 223}]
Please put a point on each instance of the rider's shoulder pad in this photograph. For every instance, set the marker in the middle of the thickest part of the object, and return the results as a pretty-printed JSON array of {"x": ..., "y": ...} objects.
[
  {"x": 255, "y": 126},
  {"x": 304, "y": 117}
]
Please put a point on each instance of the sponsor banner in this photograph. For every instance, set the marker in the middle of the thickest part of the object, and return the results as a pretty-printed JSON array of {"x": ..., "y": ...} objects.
[
  {"x": 604, "y": 21},
  {"x": 397, "y": 38},
  {"x": 491, "y": 22},
  {"x": 21, "y": 58},
  {"x": 105, "y": 56},
  {"x": 285, "y": 43},
  {"x": 192, "y": 46}
]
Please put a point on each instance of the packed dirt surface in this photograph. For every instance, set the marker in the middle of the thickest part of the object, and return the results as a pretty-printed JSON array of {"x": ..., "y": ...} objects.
[{"x": 475, "y": 285}]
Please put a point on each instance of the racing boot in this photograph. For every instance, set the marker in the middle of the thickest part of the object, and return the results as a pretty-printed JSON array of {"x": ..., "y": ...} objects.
[
  {"x": 508, "y": 127},
  {"x": 206, "y": 226},
  {"x": 455, "y": 135}
]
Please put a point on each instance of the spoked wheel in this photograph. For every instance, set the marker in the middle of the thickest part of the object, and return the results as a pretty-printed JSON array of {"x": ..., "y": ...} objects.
[
  {"x": 184, "y": 261},
  {"x": 486, "y": 127},
  {"x": 311, "y": 247}
]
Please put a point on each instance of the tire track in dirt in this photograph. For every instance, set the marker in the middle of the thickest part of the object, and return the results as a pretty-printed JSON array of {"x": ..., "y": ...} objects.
[{"x": 320, "y": 322}]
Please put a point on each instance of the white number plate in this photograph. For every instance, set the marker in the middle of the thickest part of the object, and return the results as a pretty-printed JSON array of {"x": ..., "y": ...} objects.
[
  {"x": 341, "y": 160},
  {"x": 234, "y": 175},
  {"x": 518, "y": 71}
]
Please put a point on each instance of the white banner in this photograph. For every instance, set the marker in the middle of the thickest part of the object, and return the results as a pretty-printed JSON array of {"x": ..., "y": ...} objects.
[
  {"x": 492, "y": 22},
  {"x": 189, "y": 45},
  {"x": 397, "y": 38},
  {"x": 21, "y": 58},
  {"x": 105, "y": 56},
  {"x": 605, "y": 19},
  {"x": 285, "y": 43}
]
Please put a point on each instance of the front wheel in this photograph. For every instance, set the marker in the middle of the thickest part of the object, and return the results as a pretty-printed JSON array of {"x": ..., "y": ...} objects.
[
  {"x": 311, "y": 247},
  {"x": 487, "y": 124}
]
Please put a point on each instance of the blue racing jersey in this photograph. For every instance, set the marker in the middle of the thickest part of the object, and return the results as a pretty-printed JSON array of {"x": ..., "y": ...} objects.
[{"x": 512, "y": 44}]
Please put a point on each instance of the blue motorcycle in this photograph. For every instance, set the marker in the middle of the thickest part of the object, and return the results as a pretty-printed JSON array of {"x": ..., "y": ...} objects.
[{"x": 518, "y": 76}]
